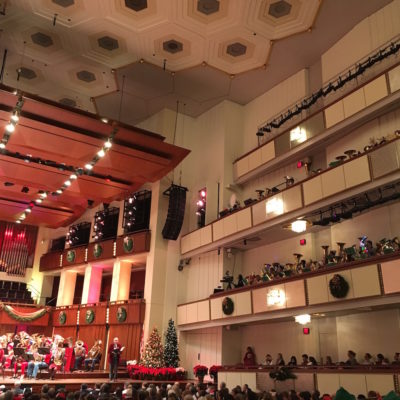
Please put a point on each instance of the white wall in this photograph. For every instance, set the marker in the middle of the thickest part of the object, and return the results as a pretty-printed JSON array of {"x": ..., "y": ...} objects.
[{"x": 367, "y": 36}]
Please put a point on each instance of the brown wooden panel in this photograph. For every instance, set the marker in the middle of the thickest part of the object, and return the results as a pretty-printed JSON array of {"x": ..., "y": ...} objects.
[
  {"x": 89, "y": 334},
  {"x": 65, "y": 331},
  {"x": 101, "y": 250},
  {"x": 78, "y": 258},
  {"x": 71, "y": 314},
  {"x": 129, "y": 336},
  {"x": 141, "y": 243},
  {"x": 100, "y": 311},
  {"x": 134, "y": 310},
  {"x": 50, "y": 261}
]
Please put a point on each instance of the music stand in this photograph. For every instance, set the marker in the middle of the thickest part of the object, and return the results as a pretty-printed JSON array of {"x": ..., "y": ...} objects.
[{"x": 44, "y": 350}]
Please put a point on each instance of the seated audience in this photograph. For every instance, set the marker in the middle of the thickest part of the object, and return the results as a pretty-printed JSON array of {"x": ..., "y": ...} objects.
[
  {"x": 304, "y": 360},
  {"x": 381, "y": 360},
  {"x": 312, "y": 361},
  {"x": 293, "y": 361},
  {"x": 279, "y": 360},
  {"x": 351, "y": 358},
  {"x": 249, "y": 357},
  {"x": 396, "y": 358},
  {"x": 328, "y": 361},
  {"x": 268, "y": 360},
  {"x": 368, "y": 360}
]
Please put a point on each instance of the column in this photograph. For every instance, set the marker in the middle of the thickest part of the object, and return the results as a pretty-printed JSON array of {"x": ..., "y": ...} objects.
[
  {"x": 67, "y": 288},
  {"x": 121, "y": 281},
  {"x": 91, "y": 285}
]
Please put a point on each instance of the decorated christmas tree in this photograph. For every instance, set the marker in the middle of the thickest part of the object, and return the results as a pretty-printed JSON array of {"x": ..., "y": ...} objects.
[
  {"x": 153, "y": 354},
  {"x": 171, "y": 352}
]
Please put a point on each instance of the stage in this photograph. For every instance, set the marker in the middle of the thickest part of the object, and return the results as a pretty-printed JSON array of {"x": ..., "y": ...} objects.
[{"x": 72, "y": 381}]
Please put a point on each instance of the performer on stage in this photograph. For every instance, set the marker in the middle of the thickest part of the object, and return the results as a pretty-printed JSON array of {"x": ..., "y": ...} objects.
[
  {"x": 57, "y": 360},
  {"x": 114, "y": 353},
  {"x": 93, "y": 356},
  {"x": 79, "y": 352},
  {"x": 37, "y": 363}
]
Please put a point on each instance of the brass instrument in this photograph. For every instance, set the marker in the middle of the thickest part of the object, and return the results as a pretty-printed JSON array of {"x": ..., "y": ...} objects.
[
  {"x": 95, "y": 351},
  {"x": 58, "y": 356}
]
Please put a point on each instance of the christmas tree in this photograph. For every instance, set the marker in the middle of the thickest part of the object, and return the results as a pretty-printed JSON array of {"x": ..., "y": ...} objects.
[
  {"x": 152, "y": 356},
  {"x": 171, "y": 352}
]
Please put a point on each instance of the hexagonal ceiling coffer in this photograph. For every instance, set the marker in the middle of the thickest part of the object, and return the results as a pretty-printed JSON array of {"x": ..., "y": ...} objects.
[
  {"x": 42, "y": 39},
  {"x": 208, "y": 6},
  {"x": 26, "y": 73},
  {"x": 279, "y": 9},
  {"x": 67, "y": 102},
  {"x": 172, "y": 46},
  {"x": 236, "y": 49},
  {"x": 136, "y": 5},
  {"x": 64, "y": 3},
  {"x": 86, "y": 76},
  {"x": 108, "y": 43}
]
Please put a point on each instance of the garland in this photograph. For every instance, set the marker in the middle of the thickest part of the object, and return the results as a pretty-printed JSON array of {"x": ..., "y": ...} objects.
[
  {"x": 338, "y": 286},
  {"x": 20, "y": 316},
  {"x": 281, "y": 374}
]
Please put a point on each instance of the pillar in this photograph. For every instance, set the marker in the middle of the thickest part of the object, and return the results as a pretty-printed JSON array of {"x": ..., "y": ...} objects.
[
  {"x": 91, "y": 285},
  {"x": 121, "y": 281},
  {"x": 67, "y": 288}
]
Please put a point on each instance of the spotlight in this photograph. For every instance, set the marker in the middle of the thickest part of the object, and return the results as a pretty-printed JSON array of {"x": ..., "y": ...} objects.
[
  {"x": 18, "y": 221},
  {"x": 203, "y": 193},
  {"x": 10, "y": 128},
  {"x": 101, "y": 153},
  {"x": 2, "y": 145},
  {"x": 260, "y": 133},
  {"x": 107, "y": 144},
  {"x": 43, "y": 195},
  {"x": 15, "y": 117},
  {"x": 67, "y": 183},
  {"x": 73, "y": 177},
  {"x": 28, "y": 210},
  {"x": 38, "y": 201},
  {"x": 25, "y": 189},
  {"x": 89, "y": 166},
  {"x": 105, "y": 120},
  {"x": 59, "y": 191}
]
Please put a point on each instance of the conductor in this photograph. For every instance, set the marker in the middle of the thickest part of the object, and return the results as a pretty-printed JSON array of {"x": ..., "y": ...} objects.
[{"x": 114, "y": 353}]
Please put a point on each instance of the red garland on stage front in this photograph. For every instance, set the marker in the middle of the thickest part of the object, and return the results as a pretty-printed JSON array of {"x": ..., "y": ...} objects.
[{"x": 28, "y": 354}]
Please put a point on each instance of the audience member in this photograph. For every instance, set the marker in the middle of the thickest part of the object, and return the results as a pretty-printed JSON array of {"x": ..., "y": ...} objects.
[
  {"x": 351, "y": 358},
  {"x": 368, "y": 360},
  {"x": 279, "y": 360},
  {"x": 293, "y": 361},
  {"x": 304, "y": 360}
]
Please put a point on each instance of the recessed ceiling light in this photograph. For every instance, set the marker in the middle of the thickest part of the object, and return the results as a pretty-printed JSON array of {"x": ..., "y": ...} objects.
[
  {"x": 10, "y": 128},
  {"x": 101, "y": 153},
  {"x": 89, "y": 166}
]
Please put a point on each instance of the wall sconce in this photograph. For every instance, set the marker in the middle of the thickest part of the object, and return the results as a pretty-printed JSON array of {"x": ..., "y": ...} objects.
[
  {"x": 276, "y": 297},
  {"x": 303, "y": 319},
  {"x": 274, "y": 205}
]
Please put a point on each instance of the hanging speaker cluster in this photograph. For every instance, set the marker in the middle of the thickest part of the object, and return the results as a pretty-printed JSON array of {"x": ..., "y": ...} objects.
[{"x": 176, "y": 211}]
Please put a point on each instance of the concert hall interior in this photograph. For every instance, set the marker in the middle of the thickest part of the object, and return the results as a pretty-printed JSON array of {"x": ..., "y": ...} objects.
[{"x": 210, "y": 188}]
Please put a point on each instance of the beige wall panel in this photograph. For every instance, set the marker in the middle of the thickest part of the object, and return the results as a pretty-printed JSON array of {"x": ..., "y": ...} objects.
[
  {"x": 222, "y": 376},
  {"x": 230, "y": 225},
  {"x": 268, "y": 152},
  {"x": 254, "y": 159},
  {"x": 242, "y": 166},
  {"x": 185, "y": 244},
  {"x": 312, "y": 190},
  {"x": 206, "y": 235},
  {"x": 250, "y": 378},
  {"x": 243, "y": 303},
  {"x": 181, "y": 315},
  {"x": 203, "y": 311},
  {"x": 391, "y": 276},
  {"x": 317, "y": 290},
  {"x": 334, "y": 114},
  {"x": 191, "y": 313},
  {"x": 333, "y": 181},
  {"x": 216, "y": 308},
  {"x": 243, "y": 219},
  {"x": 375, "y": 90},
  {"x": 382, "y": 383},
  {"x": 365, "y": 281},
  {"x": 260, "y": 299},
  {"x": 328, "y": 383},
  {"x": 356, "y": 172},
  {"x": 233, "y": 379},
  {"x": 385, "y": 160},
  {"x": 218, "y": 230},
  {"x": 295, "y": 295},
  {"x": 292, "y": 199},
  {"x": 195, "y": 240},
  {"x": 259, "y": 214},
  {"x": 346, "y": 275},
  {"x": 354, "y": 103},
  {"x": 354, "y": 383},
  {"x": 394, "y": 79}
]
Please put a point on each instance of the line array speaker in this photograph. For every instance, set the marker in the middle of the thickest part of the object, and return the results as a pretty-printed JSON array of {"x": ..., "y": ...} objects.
[{"x": 176, "y": 212}]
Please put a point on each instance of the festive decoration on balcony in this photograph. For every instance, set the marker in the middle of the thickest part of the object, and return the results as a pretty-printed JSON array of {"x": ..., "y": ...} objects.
[
  {"x": 121, "y": 314},
  {"x": 281, "y": 374},
  {"x": 62, "y": 318},
  {"x": 97, "y": 250},
  {"x": 21, "y": 316},
  {"x": 128, "y": 244},
  {"x": 338, "y": 286},
  {"x": 228, "y": 306},
  {"x": 139, "y": 372},
  {"x": 71, "y": 256},
  {"x": 213, "y": 372},
  {"x": 200, "y": 371},
  {"x": 153, "y": 354},
  {"x": 89, "y": 316},
  {"x": 171, "y": 350}
]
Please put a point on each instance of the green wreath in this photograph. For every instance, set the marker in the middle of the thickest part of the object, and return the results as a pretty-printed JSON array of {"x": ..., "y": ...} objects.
[
  {"x": 121, "y": 314},
  {"x": 97, "y": 250},
  {"x": 71, "y": 256},
  {"x": 227, "y": 306},
  {"x": 338, "y": 286},
  {"x": 128, "y": 244},
  {"x": 62, "y": 318},
  {"x": 89, "y": 316}
]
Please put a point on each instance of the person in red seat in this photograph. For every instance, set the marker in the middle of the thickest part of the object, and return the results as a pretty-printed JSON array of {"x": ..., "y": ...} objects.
[
  {"x": 57, "y": 360},
  {"x": 249, "y": 357},
  {"x": 10, "y": 357}
]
